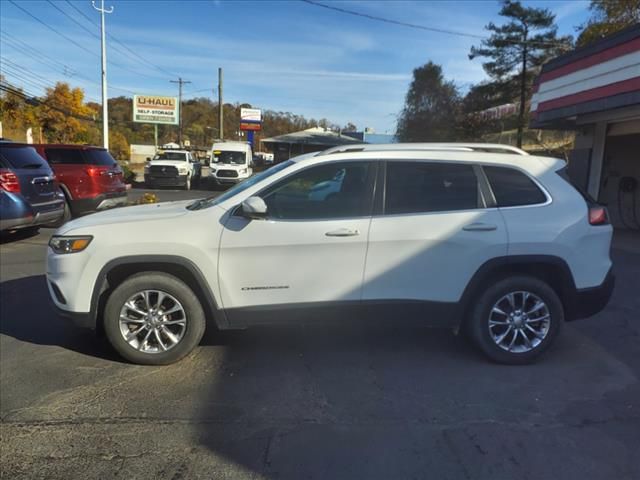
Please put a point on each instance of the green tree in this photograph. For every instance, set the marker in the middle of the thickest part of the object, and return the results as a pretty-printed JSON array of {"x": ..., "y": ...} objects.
[
  {"x": 607, "y": 17},
  {"x": 431, "y": 107},
  {"x": 521, "y": 46}
]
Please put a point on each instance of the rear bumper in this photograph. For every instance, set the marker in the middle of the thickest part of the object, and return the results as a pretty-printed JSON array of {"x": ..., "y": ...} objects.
[
  {"x": 100, "y": 202},
  {"x": 589, "y": 301},
  {"x": 30, "y": 217}
]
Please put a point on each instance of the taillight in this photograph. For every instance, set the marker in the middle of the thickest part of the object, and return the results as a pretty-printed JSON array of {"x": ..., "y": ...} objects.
[
  {"x": 95, "y": 171},
  {"x": 9, "y": 181},
  {"x": 598, "y": 216}
]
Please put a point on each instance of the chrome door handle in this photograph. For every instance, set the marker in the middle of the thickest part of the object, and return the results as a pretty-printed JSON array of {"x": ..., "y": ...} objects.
[
  {"x": 480, "y": 227},
  {"x": 343, "y": 232}
]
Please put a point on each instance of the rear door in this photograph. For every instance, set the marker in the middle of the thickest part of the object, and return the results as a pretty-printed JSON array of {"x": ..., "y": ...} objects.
[
  {"x": 37, "y": 182},
  {"x": 432, "y": 234}
]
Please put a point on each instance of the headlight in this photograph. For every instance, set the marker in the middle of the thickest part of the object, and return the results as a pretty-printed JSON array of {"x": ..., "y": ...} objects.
[
  {"x": 212, "y": 171},
  {"x": 243, "y": 170},
  {"x": 71, "y": 244},
  {"x": 146, "y": 169},
  {"x": 183, "y": 170}
]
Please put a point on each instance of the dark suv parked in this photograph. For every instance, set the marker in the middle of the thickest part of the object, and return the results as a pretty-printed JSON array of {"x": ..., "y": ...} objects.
[
  {"x": 29, "y": 193},
  {"x": 89, "y": 176}
]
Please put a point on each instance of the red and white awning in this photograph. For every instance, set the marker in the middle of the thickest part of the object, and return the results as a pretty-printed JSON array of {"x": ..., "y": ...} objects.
[{"x": 601, "y": 76}]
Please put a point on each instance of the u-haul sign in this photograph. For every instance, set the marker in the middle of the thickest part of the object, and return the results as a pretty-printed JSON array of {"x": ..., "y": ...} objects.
[{"x": 155, "y": 109}]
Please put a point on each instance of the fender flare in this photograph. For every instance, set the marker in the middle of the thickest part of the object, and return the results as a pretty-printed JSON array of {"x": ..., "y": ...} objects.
[{"x": 210, "y": 304}]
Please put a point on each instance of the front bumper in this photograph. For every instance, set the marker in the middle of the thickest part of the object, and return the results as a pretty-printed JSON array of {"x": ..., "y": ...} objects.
[
  {"x": 587, "y": 302},
  {"x": 226, "y": 180},
  {"x": 100, "y": 202},
  {"x": 179, "y": 181}
]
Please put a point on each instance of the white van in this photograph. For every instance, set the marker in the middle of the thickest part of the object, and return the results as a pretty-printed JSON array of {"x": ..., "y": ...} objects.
[{"x": 231, "y": 162}]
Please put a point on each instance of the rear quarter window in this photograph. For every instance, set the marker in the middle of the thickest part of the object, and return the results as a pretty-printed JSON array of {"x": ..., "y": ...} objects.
[
  {"x": 512, "y": 188},
  {"x": 99, "y": 157}
]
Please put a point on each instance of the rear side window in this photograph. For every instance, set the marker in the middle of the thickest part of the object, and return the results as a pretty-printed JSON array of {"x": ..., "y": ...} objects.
[
  {"x": 64, "y": 156},
  {"x": 414, "y": 187},
  {"x": 99, "y": 157},
  {"x": 512, "y": 188},
  {"x": 21, "y": 157}
]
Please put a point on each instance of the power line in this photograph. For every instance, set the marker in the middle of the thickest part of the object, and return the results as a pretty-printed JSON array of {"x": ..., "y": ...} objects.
[
  {"x": 420, "y": 27},
  {"x": 76, "y": 43},
  {"x": 132, "y": 52},
  {"x": 53, "y": 29},
  {"x": 25, "y": 49},
  {"x": 30, "y": 98}
]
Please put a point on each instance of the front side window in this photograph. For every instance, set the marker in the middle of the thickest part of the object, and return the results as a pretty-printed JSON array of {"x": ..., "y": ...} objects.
[
  {"x": 512, "y": 188},
  {"x": 334, "y": 190},
  {"x": 415, "y": 187}
]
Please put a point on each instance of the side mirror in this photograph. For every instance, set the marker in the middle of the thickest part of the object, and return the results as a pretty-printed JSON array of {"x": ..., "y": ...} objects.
[
  {"x": 148, "y": 159},
  {"x": 254, "y": 208}
]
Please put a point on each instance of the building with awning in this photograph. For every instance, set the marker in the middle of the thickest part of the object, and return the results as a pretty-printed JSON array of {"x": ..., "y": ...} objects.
[
  {"x": 313, "y": 139},
  {"x": 595, "y": 90}
]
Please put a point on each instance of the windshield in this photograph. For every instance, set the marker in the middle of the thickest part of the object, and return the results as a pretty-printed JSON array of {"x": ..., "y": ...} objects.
[
  {"x": 240, "y": 187},
  {"x": 179, "y": 156},
  {"x": 238, "y": 158}
]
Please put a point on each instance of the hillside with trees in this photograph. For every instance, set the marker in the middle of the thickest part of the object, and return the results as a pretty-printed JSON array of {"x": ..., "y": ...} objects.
[{"x": 63, "y": 116}]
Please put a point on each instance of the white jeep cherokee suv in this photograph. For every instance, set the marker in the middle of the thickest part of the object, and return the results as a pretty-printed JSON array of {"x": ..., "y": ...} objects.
[{"x": 468, "y": 237}]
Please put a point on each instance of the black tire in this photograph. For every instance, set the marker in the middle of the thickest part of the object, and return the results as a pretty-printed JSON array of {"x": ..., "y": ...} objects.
[
  {"x": 66, "y": 216},
  {"x": 194, "y": 314},
  {"x": 478, "y": 321}
]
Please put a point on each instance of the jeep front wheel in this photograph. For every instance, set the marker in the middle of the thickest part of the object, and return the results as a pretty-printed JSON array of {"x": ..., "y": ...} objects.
[{"x": 153, "y": 318}]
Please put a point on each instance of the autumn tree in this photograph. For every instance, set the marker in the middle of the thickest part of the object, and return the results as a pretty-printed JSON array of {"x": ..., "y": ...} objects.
[
  {"x": 521, "y": 46},
  {"x": 607, "y": 17},
  {"x": 431, "y": 107},
  {"x": 64, "y": 116},
  {"x": 118, "y": 145}
]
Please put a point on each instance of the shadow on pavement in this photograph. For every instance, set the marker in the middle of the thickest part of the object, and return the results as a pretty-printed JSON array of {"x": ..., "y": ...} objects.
[
  {"x": 17, "y": 235},
  {"x": 29, "y": 316}
]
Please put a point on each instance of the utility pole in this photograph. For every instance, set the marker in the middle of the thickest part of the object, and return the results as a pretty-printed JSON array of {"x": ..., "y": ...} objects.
[
  {"x": 105, "y": 100},
  {"x": 220, "y": 106},
  {"x": 180, "y": 82}
]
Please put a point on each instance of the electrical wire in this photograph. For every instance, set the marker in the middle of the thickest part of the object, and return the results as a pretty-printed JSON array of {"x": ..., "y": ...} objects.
[
  {"x": 67, "y": 71},
  {"x": 132, "y": 52},
  {"x": 111, "y": 62},
  {"x": 421, "y": 27}
]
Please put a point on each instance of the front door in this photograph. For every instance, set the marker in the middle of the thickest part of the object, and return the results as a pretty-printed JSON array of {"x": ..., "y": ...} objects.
[{"x": 310, "y": 251}]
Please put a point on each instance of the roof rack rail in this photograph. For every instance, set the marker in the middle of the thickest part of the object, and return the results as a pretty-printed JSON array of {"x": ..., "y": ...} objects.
[{"x": 445, "y": 147}]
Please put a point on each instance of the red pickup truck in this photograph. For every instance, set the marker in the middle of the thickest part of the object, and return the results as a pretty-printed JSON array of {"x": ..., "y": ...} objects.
[{"x": 89, "y": 177}]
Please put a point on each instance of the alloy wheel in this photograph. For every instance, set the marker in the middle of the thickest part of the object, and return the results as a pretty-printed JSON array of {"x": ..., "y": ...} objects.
[
  {"x": 519, "y": 321},
  {"x": 152, "y": 321}
]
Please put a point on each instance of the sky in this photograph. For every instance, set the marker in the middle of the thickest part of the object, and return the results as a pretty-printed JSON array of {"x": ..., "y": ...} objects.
[{"x": 277, "y": 55}]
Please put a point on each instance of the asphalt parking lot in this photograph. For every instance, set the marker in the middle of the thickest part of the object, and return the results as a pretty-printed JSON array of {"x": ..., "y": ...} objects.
[{"x": 363, "y": 400}]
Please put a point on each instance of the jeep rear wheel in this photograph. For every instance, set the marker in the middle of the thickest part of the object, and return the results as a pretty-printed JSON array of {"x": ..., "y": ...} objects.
[
  {"x": 154, "y": 319},
  {"x": 516, "y": 320}
]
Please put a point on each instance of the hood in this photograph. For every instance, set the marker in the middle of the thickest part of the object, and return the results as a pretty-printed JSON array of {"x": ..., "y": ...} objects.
[
  {"x": 168, "y": 163},
  {"x": 236, "y": 166},
  {"x": 136, "y": 214}
]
